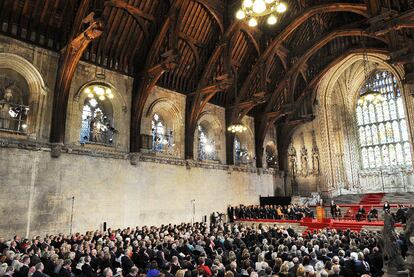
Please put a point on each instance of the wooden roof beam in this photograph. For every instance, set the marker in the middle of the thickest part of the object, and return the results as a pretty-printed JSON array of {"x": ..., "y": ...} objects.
[
  {"x": 266, "y": 56},
  {"x": 155, "y": 66},
  {"x": 196, "y": 102},
  {"x": 68, "y": 62}
]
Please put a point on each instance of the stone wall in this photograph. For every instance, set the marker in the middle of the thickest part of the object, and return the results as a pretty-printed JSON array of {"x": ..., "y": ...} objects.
[
  {"x": 37, "y": 191},
  {"x": 108, "y": 183}
]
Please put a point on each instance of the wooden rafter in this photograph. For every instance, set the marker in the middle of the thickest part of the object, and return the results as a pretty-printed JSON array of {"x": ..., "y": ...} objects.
[
  {"x": 205, "y": 92},
  {"x": 68, "y": 62},
  {"x": 139, "y": 16},
  {"x": 156, "y": 64},
  {"x": 270, "y": 51},
  {"x": 269, "y": 118}
]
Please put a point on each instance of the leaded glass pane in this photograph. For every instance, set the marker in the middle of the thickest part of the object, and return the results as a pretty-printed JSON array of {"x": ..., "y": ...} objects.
[
  {"x": 389, "y": 132},
  {"x": 396, "y": 131},
  {"x": 400, "y": 154},
  {"x": 374, "y": 132},
  {"x": 407, "y": 153},
  {"x": 393, "y": 109},
  {"x": 380, "y": 115},
  {"x": 372, "y": 117},
  {"x": 400, "y": 108},
  {"x": 377, "y": 153},
  {"x": 393, "y": 157},
  {"x": 386, "y": 110},
  {"x": 385, "y": 155},
  {"x": 365, "y": 161},
  {"x": 371, "y": 157},
  {"x": 368, "y": 135},
  {"x": 359, "y": 116},
  {"x": 362, "y": 138},
  {"x": 404, "y": 131},
  {"x": 382, "y": 133},
  {"x": 365, "y": 114}
]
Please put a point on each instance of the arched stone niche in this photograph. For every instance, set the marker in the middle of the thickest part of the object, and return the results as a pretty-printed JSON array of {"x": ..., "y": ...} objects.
[
  {"x": 246, "y": 139},
  {"x": 167, "y": 105},
  {"x": 336, "y": 126},
  {"x": 270, "y": 146},
  {"x": 119, "y": 115},
  {"x": 36, "y": 94},
  {"x": 213, "y": 126}
]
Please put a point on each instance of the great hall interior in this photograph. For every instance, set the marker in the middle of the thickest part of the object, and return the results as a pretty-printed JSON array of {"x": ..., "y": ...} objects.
[{"x": 117, "y": 113}]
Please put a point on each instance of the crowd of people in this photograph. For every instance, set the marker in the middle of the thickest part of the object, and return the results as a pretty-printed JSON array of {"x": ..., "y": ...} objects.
[
  {"x": 291, "y": 212},
  {"x": 192, "y": 250}
]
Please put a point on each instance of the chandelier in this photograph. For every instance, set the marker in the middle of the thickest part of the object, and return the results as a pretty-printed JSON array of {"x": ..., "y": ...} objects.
[
  {"x": 237, "y": 128},
  {"x": 252, "y": 9},
  {"x": 369, "y": 95}
]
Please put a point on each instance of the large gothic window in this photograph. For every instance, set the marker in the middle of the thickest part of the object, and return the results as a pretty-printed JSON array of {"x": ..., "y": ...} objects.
[
  {"x": 162, "y": 138},
  {"x": 206, "y": 146},
  {"x": 97, "y": 116},
  {"x": 382, "y": 126}
]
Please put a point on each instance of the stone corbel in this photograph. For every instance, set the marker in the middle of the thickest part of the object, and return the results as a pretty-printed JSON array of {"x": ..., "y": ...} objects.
[
  {"x": 56, "y": 150},
  {"x": 134, "y": 158}
]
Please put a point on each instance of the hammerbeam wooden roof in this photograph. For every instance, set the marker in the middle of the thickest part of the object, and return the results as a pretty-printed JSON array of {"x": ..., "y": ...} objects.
[{"x": 216, "y": 55}]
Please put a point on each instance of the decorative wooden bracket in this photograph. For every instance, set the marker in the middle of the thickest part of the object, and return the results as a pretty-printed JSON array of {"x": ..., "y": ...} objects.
[{"x": 68, "y": 62}]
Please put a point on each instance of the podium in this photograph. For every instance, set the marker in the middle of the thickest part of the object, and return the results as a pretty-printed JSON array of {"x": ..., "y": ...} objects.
[{"x": 320, "y": 213}]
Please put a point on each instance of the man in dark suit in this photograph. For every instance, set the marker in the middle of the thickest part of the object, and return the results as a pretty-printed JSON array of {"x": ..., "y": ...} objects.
[
  {"x": 361, "y": 213},
  {"x": 87, "y": 269},
  {"x": 126, "y": 263},
  {"x": 65, "y": 271},
  {"x": 39, "y": 271}
]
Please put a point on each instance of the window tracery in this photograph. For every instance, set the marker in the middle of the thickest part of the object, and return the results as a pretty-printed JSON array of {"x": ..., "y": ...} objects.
[{"x": 382, "y": 127}]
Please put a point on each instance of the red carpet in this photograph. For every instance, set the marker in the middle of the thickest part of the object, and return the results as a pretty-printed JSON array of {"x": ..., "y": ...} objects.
[
  {"x": 367, "y": 201},
  {"x": 313, "y": 224}
]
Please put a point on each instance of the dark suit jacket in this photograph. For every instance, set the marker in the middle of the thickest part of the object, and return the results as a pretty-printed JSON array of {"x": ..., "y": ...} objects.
[
  {"x": 64, "y": 273},
  {"x": 88, "y": 271},
  {"x": 39, "y": 274}
]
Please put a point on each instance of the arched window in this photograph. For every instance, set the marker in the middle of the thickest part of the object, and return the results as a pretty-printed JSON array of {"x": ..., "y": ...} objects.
[
  {"x": 14, "y": 99},
  {"x": 206, "y": 145},
  {"x": 382, "y": 126},
  {"x": 241, "y": 155},
  {"x": 162, "y": 138},
  {"x": 271, "y": 158},
  {"x": 97, "y": 116}
]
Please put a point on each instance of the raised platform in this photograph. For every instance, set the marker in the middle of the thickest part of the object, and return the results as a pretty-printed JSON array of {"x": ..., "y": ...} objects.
[{"x": 308, "y": 224}]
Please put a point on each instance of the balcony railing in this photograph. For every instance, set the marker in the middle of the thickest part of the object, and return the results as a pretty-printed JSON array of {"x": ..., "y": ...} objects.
[{"x": 13, "y": 117}]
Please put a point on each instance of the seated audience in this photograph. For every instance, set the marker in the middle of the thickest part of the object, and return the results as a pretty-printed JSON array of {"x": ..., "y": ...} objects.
[
  {"x": 360, "y": 213},
  {"x": 372, "y": 214},
  {"x": 188, "y": 250}
]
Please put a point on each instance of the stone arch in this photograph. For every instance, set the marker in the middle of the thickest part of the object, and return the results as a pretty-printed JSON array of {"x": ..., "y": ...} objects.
[
  {"x": 270, "y": 140},
  {"x": 172, "y": 117},
  {"x": 37, "y": 90},
  {"x": 336, "y": 96},
  {"x": 247, "y": 139},
  {"x": 118, "y": 106}
]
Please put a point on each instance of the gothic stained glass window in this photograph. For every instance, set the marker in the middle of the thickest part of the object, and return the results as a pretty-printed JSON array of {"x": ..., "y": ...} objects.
[{"x": 382, "y": 127}]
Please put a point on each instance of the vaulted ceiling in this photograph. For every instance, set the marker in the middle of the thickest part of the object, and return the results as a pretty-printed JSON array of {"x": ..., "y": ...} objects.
[{"x": 262, "y": 71}]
